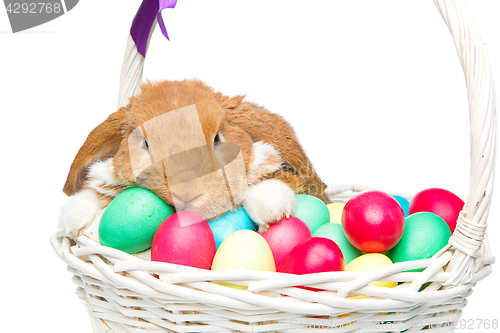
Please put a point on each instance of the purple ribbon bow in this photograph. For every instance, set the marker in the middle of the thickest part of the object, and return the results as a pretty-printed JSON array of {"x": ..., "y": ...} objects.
[{"x": 144, "y": 19}]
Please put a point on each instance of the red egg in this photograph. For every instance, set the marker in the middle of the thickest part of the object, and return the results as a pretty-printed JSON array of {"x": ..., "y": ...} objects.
[
  {"x": 373, "y": 221},
  {"x": 314, "y": 255},
  {"x": 283, "y": 236},
  {"x": 184, "y": 238},
  {"x": 440, "y": 202}
]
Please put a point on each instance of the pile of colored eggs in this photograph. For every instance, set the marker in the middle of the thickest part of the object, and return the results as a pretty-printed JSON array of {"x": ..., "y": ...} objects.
[{"x": 370, "y": 231}]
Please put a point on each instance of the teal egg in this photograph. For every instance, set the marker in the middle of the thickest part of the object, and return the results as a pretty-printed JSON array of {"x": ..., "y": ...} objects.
[
  {"x": 312, "y": 211},
  {"x": 335, "y": 232},
  {"x": 130, "y": 221},
  {"x": 425, "y": 234},
  {"x": 405, "y": 204},
  {"x": 229, "y": 223}
]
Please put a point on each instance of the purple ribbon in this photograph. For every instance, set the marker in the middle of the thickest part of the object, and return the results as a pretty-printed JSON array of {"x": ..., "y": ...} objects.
[{"x": 144, "y": 19}]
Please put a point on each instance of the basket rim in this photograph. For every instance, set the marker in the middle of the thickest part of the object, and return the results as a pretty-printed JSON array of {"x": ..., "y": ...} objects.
[{"x": 263, "y": 282}]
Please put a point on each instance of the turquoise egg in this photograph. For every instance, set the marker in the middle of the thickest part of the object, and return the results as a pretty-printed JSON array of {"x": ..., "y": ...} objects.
[
  {"x": 335, "y": 232},
  {"x": 312, "y": 211},
  {"x": 229, "y": 223},
  {"x": 425, "y": 234},
  {"x": 130, "y": 221},
  {"x": 405, "y": 204}
]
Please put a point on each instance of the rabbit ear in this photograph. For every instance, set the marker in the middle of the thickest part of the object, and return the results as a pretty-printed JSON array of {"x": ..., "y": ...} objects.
[
  {"x": 101, "y": 143},
  {"x": 270, "y": 128}
]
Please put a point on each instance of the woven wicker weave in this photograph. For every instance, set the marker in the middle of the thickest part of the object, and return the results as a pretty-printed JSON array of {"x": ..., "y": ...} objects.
[{"x": 123, "y": 294}]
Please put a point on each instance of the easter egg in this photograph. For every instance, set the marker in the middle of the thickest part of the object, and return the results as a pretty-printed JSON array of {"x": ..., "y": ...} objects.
[
  {"x": 440, "y": 202},
  {"x": 130, "y": 221},
  {"x": 284, "y": 235},
  {"x": 231, "y": 222},
  {"x": 370, "y": 262},
  {"x": 334, "y": 232},
  {"x": 425, "y": 234},
  {"x": 244, "y": 250},
  {"x": 312, "y": 211},
  {"x": 335, "y": 210},
  {"x": 314, "y": 255},
  {"x": 184, "y": 238},
  {"x": 403, "y": 203},
  {"x": 373, "y": 221}
]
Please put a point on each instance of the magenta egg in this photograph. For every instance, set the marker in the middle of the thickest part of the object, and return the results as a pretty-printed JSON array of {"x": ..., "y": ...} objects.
[
  {"x": 441, "y": 202},
  {"x": 283, "y": 236},
  {"x": 184, "y": 238},
  {"x": 373, "y": 221},
  {"x": 314, "y": 255}
]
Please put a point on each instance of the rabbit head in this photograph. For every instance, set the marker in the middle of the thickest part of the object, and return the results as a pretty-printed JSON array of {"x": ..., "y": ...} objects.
[{"x": 196, "y": 149}]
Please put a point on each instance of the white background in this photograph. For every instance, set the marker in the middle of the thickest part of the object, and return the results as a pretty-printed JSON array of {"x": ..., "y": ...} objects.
[{"x": 374, "y": 90}]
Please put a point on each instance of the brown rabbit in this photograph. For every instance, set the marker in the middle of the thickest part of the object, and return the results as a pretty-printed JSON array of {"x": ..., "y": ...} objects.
[{"x": 197, "y": 150}]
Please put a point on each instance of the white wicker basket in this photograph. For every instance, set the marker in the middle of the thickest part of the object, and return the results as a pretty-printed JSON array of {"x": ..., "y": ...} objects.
[{"x": 122, "y": 294}]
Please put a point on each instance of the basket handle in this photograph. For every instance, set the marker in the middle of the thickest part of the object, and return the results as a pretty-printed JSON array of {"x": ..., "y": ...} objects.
[
  {"x": 142, "y": 28},
  {"x": 471, "y": 225}
]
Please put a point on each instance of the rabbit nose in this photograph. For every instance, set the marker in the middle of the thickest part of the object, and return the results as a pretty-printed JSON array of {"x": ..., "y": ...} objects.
[{"x": 183, "y": 198}]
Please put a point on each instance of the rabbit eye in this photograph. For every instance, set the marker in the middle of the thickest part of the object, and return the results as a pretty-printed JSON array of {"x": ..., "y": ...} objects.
[
  {"x": 216, "y": 139},
  {"x": 145, "y": 144}
]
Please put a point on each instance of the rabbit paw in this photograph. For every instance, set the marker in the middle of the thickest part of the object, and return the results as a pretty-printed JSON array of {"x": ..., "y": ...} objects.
[
  {"x": 79, "y": 212},
  {"x": 268, "y": 202}
]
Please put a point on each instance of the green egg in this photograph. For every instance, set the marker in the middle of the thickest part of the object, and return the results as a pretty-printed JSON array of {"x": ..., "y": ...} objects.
[
  {"x": 335, "y": 232},
  {"x": 312, "y": 211},
  {"x": 425, "y": 234},
  {"x": 130, "y": 221}
]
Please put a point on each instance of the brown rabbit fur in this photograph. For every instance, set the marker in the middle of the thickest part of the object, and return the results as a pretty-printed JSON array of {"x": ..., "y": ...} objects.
[{"x": 268, "y": 145}]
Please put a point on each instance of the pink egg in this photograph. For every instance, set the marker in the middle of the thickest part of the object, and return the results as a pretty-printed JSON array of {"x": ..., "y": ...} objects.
[
  {"x": 184, "y": 238},
  {"x": 373, "y": 221},
  {"x": 283, "y": 236},
  {"x": 440, "y": 202},
  {"x": 314, "y": 255}
]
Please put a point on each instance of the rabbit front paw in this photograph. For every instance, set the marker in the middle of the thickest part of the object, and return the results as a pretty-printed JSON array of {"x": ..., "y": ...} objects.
[
  {"x": 79, "y": 212},
  {"x": 268, "y": 202}
]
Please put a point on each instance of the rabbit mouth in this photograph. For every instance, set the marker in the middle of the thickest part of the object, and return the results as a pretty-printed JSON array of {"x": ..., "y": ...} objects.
[
  {"x": 208, "y": 204},
  {"x": 192, "y": 203}
]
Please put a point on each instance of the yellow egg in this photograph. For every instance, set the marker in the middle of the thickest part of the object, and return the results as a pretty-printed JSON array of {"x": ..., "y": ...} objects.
[
  {"x": 336, "y": 212},
  {"x": 370, "y": 262},
  {"x": 244, "y": 249}
]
